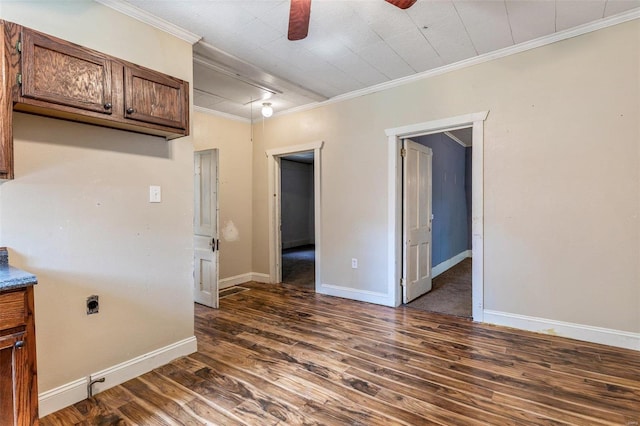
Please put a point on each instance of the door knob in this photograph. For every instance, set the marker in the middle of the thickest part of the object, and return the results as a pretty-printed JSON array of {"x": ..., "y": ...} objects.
[
  {"x": 130, "y": 110},
  {"x": 107, "y": 105},
  {"x": 19, "y": 344}
]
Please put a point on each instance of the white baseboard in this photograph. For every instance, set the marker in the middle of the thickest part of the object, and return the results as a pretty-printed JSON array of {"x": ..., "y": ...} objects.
[
  {"x": 356, "y": 294},
  {"x": 449, "y": 263},
  {"x": 241, "y": 279},
  {"x": 605, "y": 336},
  {"x": 72, "y": 392},
  {"x": 62, "y": 396},
  {"x": 235, "y": 280},
  {"x": 260, "y": 278},
  {"x": 135, "y": 367}
]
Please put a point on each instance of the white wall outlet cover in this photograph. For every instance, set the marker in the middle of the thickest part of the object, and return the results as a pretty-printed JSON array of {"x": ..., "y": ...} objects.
[
  {"x": 354, "y": 263},
  {"x": 155, "y": 194}
]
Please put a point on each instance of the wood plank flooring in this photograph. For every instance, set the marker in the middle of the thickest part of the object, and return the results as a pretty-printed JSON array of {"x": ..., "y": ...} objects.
[{"x": 281, "y": 355}]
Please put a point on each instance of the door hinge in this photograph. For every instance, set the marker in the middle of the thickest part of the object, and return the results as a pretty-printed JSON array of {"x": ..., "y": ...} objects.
[
  {"x": 19, "y": 46},
  {"x": 403, "y": 152},
  {"x": 19, "y": 78}
]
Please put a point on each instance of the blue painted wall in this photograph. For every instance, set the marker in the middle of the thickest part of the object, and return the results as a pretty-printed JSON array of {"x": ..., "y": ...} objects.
[
  {"x": 297, "y": 204},
  {"x": 467, "y": 189},
  {"x": 451, "y": 196}
]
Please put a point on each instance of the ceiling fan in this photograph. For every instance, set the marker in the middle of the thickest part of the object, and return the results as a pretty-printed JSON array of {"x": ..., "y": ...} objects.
[{"x": 301, "y": 10}]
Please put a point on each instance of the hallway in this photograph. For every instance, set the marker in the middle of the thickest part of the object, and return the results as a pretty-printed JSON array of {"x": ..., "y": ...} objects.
[
  {"x": 298, "y": 266},
  {"x": 451, "y": 293}
]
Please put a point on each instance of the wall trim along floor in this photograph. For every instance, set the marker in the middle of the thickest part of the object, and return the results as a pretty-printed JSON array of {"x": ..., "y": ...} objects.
[
  {"x": 449, "y": 263},
  {"x": 75, "y": 391},
  {"x": 356, "y": 294},
  {"x": 605, "y": 336},
  {"x": 243, "y": 278}
]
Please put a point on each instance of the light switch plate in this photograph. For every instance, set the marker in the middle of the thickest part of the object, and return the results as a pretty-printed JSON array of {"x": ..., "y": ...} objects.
[{"x": 155, "y": 194}]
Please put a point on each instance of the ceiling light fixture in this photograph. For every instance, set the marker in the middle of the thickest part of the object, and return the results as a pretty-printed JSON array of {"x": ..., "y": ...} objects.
[{"x": 267, "y": 110}]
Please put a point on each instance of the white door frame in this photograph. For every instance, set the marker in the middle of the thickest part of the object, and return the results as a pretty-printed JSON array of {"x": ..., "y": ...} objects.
[
  {"x": 275, "y": 235},
  {"x": 394, "y": 250}
]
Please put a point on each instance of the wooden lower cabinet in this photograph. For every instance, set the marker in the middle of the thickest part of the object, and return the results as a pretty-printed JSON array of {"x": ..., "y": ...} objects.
[{"x": 18, "y": 379}]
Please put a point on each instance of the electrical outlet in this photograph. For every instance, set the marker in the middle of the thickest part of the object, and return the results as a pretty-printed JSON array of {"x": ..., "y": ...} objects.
[
  {"x": 92, "y": 305},
  {"x": 354, "y": 263}
]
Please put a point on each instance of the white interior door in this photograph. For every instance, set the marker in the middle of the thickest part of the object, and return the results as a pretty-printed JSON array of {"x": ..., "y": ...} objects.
[
  {"x": 417, "y": 217},
  {"x": 205, "y": 223}
]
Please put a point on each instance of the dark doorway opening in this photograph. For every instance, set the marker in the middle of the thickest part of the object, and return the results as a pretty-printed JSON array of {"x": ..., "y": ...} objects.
[{"x": 297, "y": 219}]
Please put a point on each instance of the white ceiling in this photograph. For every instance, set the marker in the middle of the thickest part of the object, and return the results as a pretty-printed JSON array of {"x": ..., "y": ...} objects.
[
  {"x": 245, "y": 55},
  {"x": 301, "y": 157},
  {"x": 463, "y": 136}
]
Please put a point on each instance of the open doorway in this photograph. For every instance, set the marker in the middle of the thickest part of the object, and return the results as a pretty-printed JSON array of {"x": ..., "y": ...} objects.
[
  {"x": 397, "y": 280},
  {"x": 447, "y": 196},
  {"x": 297, "y": 223},
  {"x": 280, "y": 167}
]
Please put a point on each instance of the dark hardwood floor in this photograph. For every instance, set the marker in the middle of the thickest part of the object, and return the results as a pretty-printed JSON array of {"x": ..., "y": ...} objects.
[
  {"x": 298, "y": 266},
  {"x": 280, "y": 355}
]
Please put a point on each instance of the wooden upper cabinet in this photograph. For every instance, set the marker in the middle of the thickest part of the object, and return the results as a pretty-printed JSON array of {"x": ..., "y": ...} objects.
[
  {"x": 57, "y": 78},
  {"x": 153, "y": 97},
  {"x": 8, "y": 64},
  {"x": 44, "y": 75},
  {"x": 62, "y": 73}
]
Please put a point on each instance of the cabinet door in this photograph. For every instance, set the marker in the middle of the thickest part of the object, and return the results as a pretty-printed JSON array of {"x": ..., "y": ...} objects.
[
  {"x": 155, "y": 98},
  {"x": 63, "y": 73},
  {"x": 7, "y": 34},
  {"x": 12, "y": 383}
]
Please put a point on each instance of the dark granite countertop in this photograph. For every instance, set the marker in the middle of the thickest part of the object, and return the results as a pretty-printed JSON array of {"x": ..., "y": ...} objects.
[{"x": 12, "y": 278}]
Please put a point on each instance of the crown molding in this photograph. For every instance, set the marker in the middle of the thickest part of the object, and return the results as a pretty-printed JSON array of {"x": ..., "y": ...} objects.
[
  {"x": 507, "y": 51},
  {"x": 221, "y": 114},
  {"x": 143, "y": 16},
  {"x": 146, "y": 17},
  {"x": 456, "y": 139}
]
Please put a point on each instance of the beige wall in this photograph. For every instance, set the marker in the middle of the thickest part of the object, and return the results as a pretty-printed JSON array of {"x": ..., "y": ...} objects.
[
  {"x": 561, "y": 189},
  {"x": 232, "y": 138},
  {"x": 77, "y": 214}
]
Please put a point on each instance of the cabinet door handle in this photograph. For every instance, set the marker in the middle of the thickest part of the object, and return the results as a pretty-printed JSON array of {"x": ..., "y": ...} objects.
[
  {"x": 107, "y": 105},
  {"x": 19, "y": 344},
  {"x": 130, "y": 110}
]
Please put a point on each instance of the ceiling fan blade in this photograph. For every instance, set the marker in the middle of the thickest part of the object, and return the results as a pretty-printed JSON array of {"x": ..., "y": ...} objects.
[
  {"x": 299, "y": 19},
  {"x": 402, "y": 4}
]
